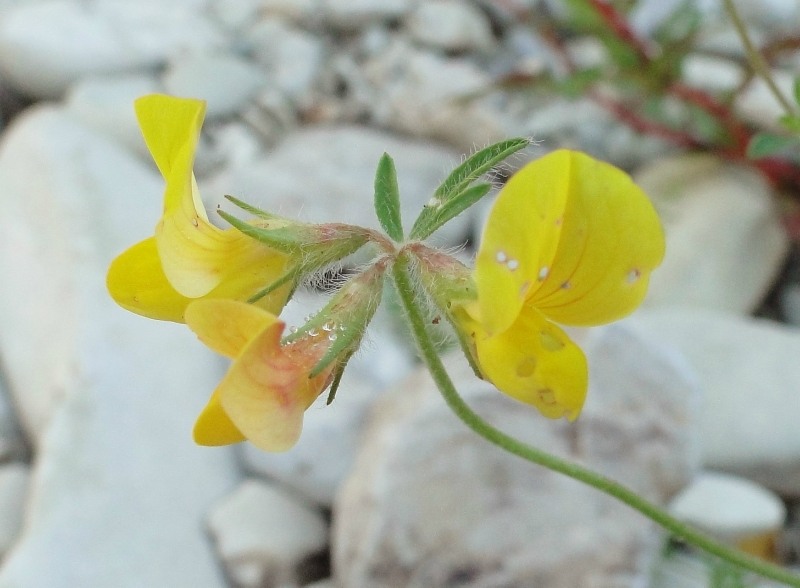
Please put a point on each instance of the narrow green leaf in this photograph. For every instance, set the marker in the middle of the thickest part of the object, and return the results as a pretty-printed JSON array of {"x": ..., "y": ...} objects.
[
  {"x": 427, "y": 223},
  {"x": 387, "y": 198},
  {"x": 765, "y": 144},
  {"x": 343, "y": 344},
  {"x": 478, "y": 164}
]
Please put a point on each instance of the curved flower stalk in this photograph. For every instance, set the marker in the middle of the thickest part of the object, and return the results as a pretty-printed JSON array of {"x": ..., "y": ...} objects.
[
  {"x": 570, "y": 240},
  {"x": 188, "y": 257},
  {"x": 271, "y": 382}
]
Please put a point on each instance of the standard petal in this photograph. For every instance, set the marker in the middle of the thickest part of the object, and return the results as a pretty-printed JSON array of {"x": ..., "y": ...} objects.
[
  {"x": 227, "y": 326},
  {"x": 520, "y": 239},
  {"x": 171, "y": 129},
  {"x": 610, "y": 242},
  {"x": 213, "y": 427},
  {"x": 267, "y": 390},
  {"x": 535, "y": 362},
  {"x": 137, "y": 283}
]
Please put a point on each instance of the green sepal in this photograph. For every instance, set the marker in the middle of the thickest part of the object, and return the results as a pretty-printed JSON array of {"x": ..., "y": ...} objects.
[
  {"x": 337, "y": 379},
  {"x": 459, "y": 180},
  {"x": 292, "y": 275},
  {"x": 253, "y": 210},
  {"x": 387, "y": 198},
  {"x": 289, "y": 239}
]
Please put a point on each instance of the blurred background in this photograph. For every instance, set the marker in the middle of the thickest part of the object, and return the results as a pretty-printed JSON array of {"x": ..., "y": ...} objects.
[{"x": 693, "y": 400}]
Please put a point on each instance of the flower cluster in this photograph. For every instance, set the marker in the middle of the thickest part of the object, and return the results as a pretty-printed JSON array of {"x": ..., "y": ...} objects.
[{"x": 570, "y": 240}]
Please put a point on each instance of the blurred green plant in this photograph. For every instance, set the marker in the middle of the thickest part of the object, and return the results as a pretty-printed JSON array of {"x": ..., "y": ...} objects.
[{"x": 641, "y": 82}]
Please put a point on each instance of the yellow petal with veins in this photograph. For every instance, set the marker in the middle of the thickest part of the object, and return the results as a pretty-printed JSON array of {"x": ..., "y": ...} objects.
[
  {"x": 535, "y": 362},
  {"x": 267, "y": 390},
  {"x": 520, "y": 239},
  {"x": 227, "y": 326},
  {"x": 610, "y": 241}
]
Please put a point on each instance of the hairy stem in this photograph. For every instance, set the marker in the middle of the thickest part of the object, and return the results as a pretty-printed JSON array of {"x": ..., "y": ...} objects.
[{"x": 405, "y": 289}]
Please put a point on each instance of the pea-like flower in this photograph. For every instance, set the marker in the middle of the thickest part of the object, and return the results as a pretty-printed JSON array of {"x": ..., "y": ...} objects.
[
  {"x": 569, "y": 240},
  {"x": 188, "y": 257},
  {"x": 273, "y": 380}
]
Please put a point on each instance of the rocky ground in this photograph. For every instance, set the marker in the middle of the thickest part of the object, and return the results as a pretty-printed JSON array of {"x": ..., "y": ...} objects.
[{"x": 100, "y": 483}]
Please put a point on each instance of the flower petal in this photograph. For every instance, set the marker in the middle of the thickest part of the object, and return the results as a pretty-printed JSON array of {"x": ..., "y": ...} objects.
[
  {"x": 535, "y": 362},
  {"x": 520, "y": 238},
  {"x": 267, "y": 390},
  {"x": 137, "y": 283},
  {"x": 171, "y": 130},
  {"x": 227, "y": 326},
  {"x": 213, "y": 427},
  {"x": 610, "y": 242}
]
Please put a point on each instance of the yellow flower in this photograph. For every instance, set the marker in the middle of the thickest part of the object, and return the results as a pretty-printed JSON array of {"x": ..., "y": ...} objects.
[
  {"x": 570, "y": 240},
  {"x": 267, "y": 389},
  {"x": 188, "y": 258}
]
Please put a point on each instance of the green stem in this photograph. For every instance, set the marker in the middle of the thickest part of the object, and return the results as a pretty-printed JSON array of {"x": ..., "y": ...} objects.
[
  {"x": 755, "y": 58},
  {"x": 427, "y": 349}
]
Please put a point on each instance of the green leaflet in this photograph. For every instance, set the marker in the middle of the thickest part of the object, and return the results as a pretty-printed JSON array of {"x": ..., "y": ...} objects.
[
  {"x": 387, "y": 198},
  {"x": 440, "y": 209}
]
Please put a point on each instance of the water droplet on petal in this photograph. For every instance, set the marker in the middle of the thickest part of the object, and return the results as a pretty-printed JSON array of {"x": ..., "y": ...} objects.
[
  {"x": 313, "y": 332},
  {"x": 512, "y": 264},
  {"x": 195, "y": 222},
  {"x": 543, "y": 273},
  {"x": 333, "y": 337},
  {"x": 501, "y": 257},
  {"x": 329, "y": 326}
]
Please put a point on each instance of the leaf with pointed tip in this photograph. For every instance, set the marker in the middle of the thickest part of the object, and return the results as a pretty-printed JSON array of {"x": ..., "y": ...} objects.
[
  {"x": 455, "y": 206},
  {"x": 387, "y": 198},
  {"x": 457, "y": 183}
]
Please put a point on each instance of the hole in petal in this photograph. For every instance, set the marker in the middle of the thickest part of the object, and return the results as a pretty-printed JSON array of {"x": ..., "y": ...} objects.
[
  {"x": 550, "y": 341},
  {"x": 546, "y": 395},
  {"x": 526, "y": 367}
]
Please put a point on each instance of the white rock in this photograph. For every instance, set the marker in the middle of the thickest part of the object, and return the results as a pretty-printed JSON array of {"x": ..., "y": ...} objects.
[
  {"x": 759, "y": 106},
  {"x": 729, "y": 507},
  {"x": 108, "y": 397},
  {"x": 354, "y": 14},
  {"x": 47, "y": 46},
  {"x": 450, "y": 25},
  {"x": 749, "y": 416},
  {"x": 12, "y": 443},
  {"x": 264, "y": 535},
  {"x": 711, "y": 73},
  {"x": 13, "y": 492},
  {"x": 427, "y": 95},
  {"x": 295, "y": 10},
  {"x": 725, "y": 241},
  {"x": 431, "y": 504},
  {"x": 326, "y": 451},
  {"x": 292, "y": 58},
  {"x": 105, "y": 104},
  {"x": 225, "y": 81},
  {"x": 327, "y": 174}
]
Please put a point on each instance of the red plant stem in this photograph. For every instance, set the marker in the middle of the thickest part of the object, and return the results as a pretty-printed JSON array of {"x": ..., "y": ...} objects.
[{"x": 619, "y": 26}]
